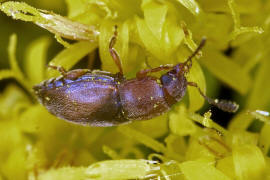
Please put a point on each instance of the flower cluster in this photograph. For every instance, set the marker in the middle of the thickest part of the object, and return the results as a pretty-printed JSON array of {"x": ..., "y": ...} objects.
[{"x": 181, "y": 144}]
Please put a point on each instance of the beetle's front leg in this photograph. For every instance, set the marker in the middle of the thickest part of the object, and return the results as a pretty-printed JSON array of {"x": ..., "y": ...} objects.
[{"x": 143, "y": 73}]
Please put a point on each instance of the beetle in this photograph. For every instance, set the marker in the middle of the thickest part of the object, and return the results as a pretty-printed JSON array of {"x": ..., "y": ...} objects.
[{"x": 100, "y": 98}]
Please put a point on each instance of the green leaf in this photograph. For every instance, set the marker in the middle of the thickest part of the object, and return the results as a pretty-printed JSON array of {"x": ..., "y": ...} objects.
[
  {"x": 11, "y": 138},
  {"x": 155, "y": 16},
  {"x": 264, "y": 138},
  {"x": 12, "y": 54},
  {"x": 5, "y": 74},
  {"x": 110, "y": 152},
  {"x": 196, "y": 75},
  {"x": 191, "y": 5},
  {"x": 147, "y": 141},
  {"x": 177, "y": 144},
  {"x": 151, "y": 43},
  {"x": 226, "y": 70},
  {"x": 159, "y": 126},
  {"x": 28, "y": 120},
  {"x": 65, "y": 173},
  {"x": 75, "y": 7},
  {"x": 216, "y": 27},
  {"x": 180, "y": 123},
  {"x": 17, "y": 73},
  {"x": 124, "y": 44},
  {"x": 225, "y": 165},
  {"x": 16, "y": 157},
  {"x": 13, "y": 150},
  {"x": 109, "y": 170},
  {"x": 163, "y": 48},
  {"x": 12, "y": 101},
  {"x": 20, "y": 10},
  {"x": 121, "y": 169},
  {"x": 260, "y": 96},
  {"x": 36, "y": 55},
  {"x": 194, "y": 170},
  {"x": 249, "y": 162},
  {"x": 241, "y": 121},
  {"x": 70, "y": 56},
  {"x": 106, "y": 33},
  {"x": 243, "y": 138},
  {"x": 54, "y": 23},
  {"x": 144, "y": 139},
  {"x": 172, "y": 37}
]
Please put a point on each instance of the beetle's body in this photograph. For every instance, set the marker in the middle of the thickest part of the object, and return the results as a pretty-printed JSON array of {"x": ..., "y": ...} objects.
[{"x": 99, "y": 98}]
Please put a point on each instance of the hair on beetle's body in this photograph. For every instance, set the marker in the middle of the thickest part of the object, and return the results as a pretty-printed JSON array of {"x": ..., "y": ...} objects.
[{"x": 99, "y": 98}]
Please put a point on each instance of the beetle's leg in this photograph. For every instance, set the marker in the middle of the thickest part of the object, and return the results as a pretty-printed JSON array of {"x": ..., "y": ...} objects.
[
  {"x": 113, "y": 52},
  {"x": 224, "y": 105},
  {"x": 188, "y": 63},
  {"x": 59, "y": 68},
  {"x": 142, "y": 73},
  {"x": 69, "y": 74},
  {"x": 74, "y": 74}
]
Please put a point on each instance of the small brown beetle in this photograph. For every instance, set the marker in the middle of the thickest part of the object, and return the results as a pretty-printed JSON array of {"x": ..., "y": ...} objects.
[{"x": 99, "y": 98}]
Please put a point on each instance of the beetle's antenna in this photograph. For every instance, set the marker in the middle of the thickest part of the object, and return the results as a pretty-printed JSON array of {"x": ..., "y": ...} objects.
[
  {"x": 188, "y": 62},
  {"x": 224, "y": 105}
]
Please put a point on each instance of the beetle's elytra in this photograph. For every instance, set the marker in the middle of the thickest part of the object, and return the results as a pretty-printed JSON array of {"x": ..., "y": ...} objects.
[{"x": 99, "y": 98}]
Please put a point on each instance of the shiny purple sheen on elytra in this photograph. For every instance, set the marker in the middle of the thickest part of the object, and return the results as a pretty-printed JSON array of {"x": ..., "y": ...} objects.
[{"x": 103, "y": 99}]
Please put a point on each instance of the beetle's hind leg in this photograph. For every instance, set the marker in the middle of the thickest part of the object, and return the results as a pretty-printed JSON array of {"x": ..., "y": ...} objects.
[
  {"x": 62, "y": 70},
  {"x": 113, "y": 52},
  {"x": 74, "y": 74},
  {"x": 224, "y": 105}
]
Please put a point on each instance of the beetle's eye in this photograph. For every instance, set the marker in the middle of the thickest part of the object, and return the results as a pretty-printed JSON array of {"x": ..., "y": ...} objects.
[{"x": 166, "y": 79}]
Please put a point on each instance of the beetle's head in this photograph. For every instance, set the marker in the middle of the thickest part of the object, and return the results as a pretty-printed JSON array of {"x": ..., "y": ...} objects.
[{"x": 174, "y": 84}]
